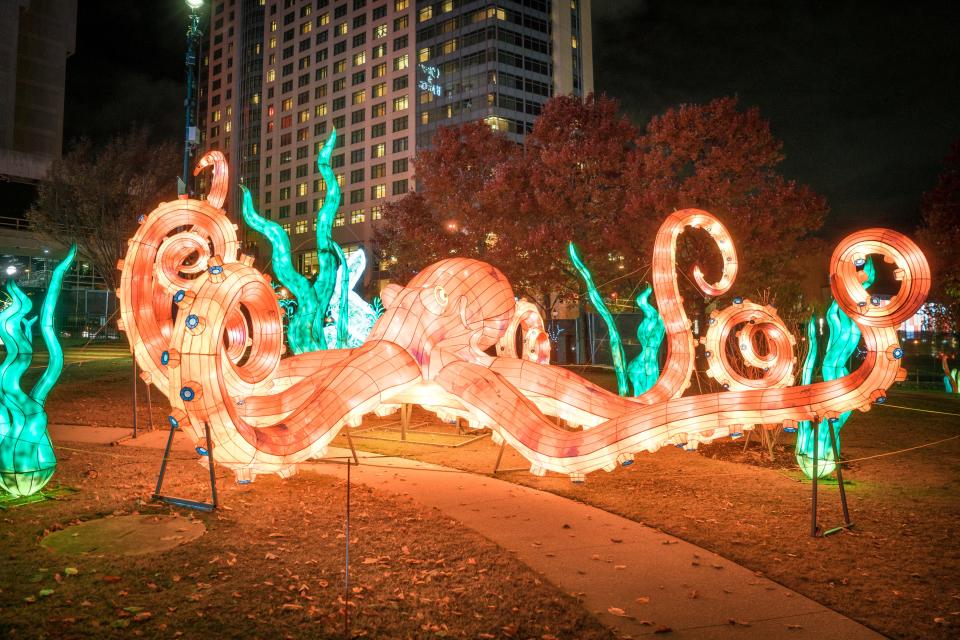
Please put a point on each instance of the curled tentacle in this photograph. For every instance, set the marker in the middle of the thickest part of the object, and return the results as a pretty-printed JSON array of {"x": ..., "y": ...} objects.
[
  {"x": 536, "y": 343},
  {"x": 161, "y": 265},
  {"x": 680, "y": 346},
  {"x": 221, "y": 174},
  {"x": 775, "y": 366},
  {"x": 263, "y": 417}
]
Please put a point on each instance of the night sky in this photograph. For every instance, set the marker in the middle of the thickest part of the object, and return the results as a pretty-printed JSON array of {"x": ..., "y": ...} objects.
[{"x": 865, "y": 96}]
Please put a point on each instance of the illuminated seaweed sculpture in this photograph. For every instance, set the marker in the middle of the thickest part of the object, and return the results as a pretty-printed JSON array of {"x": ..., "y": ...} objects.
[
  {"x": 27, "y": 460},
  {"x": 951, "y": 377},
  {"x": 843, "y": 340},
  {"x": 616, "y": 345},
  {"x": 359, "y": 316},
  {"x": 644, "y": 370},
  {"x": 307, "y": 326},
  {"x": 220, "y": 361}
]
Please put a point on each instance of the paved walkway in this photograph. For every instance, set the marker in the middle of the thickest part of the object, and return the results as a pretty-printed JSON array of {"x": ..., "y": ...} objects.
[
  {"x": 654, "y": 579},
  {"x": 637, "y": 580}
]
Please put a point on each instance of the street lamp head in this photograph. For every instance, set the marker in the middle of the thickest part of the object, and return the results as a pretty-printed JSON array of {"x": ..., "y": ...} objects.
[{"x": 194, "y": 4}]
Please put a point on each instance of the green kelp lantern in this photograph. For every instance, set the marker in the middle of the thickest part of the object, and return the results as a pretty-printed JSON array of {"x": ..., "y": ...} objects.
[{"x": 27, "y": 460}]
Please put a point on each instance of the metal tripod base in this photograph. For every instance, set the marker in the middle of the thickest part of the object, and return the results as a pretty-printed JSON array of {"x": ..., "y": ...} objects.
[
  {"x": 847, "y": 523},
  {"x": 183, "y": 502}
]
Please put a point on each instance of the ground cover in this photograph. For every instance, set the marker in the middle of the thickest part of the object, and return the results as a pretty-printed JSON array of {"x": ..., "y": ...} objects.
[
  {"x": 271, "y": 564},
  {"x": 897, "y": 571}
]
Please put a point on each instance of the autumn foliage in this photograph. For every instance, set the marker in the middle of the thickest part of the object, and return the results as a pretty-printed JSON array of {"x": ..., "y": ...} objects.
[
  {"x": 940, "y": 232},
  {"x": 586, "y": 174}
]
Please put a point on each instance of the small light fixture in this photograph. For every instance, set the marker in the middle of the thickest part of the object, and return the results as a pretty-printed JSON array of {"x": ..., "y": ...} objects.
[
  {"x": 194, "y": 4},
  {"x": 11, "y": 269}
]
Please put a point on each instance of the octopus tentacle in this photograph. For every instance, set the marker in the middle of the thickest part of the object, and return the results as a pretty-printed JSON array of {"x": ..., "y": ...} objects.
[
  {"x": 256, "y": 426},
  {"x": 705, "y": 417},
  {"x": 161, "y": 266},
  {"x": 221, "y": 174},
  {"x": 536, "y": 343},
  {"x": 678, "y": 367},
  {"x": 776, "y": 365}
]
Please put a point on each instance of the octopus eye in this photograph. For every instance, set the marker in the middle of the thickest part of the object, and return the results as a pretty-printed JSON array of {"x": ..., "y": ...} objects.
[{"x": 440, "y": 295}]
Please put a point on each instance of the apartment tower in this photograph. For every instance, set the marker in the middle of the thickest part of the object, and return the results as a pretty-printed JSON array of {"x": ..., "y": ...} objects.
[{"x": 282, "y": 74}]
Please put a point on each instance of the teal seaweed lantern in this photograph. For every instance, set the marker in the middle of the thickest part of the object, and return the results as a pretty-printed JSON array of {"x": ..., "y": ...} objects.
[
  {"x": 27, "y": 460},
  {"x": 306, "y": 326},
  {"x": 644, "y": 370},
  {"x": 616, "y": 346},
  {"x": 844, "y": 337}
]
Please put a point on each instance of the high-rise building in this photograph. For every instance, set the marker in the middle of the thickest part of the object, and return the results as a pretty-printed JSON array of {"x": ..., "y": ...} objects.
[
  {"x": 283, "y": 74},
  {"x": 36, "y": 37}
]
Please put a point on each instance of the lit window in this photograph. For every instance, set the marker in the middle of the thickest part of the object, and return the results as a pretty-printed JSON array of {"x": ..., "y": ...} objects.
[
  {"x": 401, "y": 63},
  {"x": 378, "y": 191},
  {"x": 324, "y": 19},
  {"x": 425, "y": 14},
  {"x": 378, "y": 110},
  {"x": 573, "y": 42},
  {"x": 287, "y": 104},
  {"x": 450, "y": 46},
  {"x": 338, "y": 220},
  {"x": 320, "y": 110},
  {"x": 271, "y": 75},
  {"x": 400, "y": 5},
  {"x": 358, "y": 97},
  {"x": 339, "y": 67},
  {"x": 341, "y": 29},
  {"x": 376, "y": 212},
  {"x": 306, "y": 27},
  {"x": 273, "y": 26},
  {"x": 379, "y": 90},
  {"x": 380, "y": 70},
  {"x": 447, "y": 6},
  {"x": 302, "y": 189},
  {"x": 357, "y": 216},
  {"x": 216, "y": 115},
  {"x": 378, "y": 150},
  {"x": 380, "y": 31},
  {"x": 302, "y": 226},
  {"x": 424, "y": 54},
  {"x": 359, "y": 58},
  {"x": 399, "y": 104},
  {"x": 228, "y": 126},
  {"x": 273, "y": 42}
]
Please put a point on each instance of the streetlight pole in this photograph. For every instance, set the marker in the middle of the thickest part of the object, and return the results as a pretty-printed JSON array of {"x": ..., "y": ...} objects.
[{"x": 190, "y": 138}]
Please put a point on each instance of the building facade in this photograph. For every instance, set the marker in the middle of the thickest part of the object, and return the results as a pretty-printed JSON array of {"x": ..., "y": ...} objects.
[
  {"x": 281, "y": 75},
  {"x": 36, "y": 38}
]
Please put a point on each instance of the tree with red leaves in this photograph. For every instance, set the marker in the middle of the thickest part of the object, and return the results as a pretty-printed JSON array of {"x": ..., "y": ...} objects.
[
  {"x": 724, "y": 160},
  {"x": 939, "y": 232},
  {"x": 465, "y": 192}
]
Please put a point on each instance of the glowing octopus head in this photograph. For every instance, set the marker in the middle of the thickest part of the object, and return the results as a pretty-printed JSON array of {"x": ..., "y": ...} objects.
[{"x": 459, "y": 305}]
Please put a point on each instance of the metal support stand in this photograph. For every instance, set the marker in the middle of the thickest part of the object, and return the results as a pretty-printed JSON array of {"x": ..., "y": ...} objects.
[
  {"x": 847, "y": 523},
  {"x": 353, "y": 451},
  {"x": 496, "y": 466},
  {"x": 150, "y": 407},
  {"x": 406, "y": 410},
  {"x": 134, "y": 398},
  {"x": 816, "y": 474},
  {"x": 183, "y": 502},
  {"x": 346, "y": 565}
]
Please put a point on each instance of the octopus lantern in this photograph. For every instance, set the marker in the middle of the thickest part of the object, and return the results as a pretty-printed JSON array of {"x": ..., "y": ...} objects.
[{"x": 205, "y": 327}]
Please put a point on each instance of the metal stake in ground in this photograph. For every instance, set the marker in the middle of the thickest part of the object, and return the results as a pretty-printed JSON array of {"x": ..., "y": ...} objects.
[
  {"x": 816, "y": 472},
  {"x": 346, "y": 565}
]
